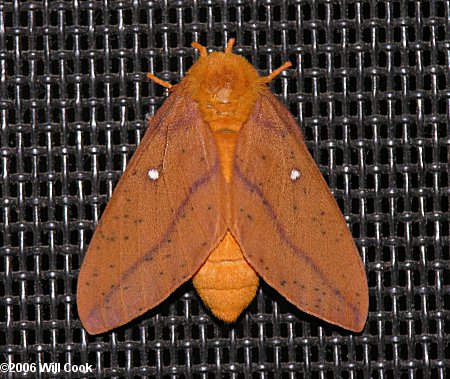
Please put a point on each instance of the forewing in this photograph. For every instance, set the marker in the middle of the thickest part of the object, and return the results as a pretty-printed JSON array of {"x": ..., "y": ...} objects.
[
  {"x": 162, "y": 221},
  {"x": 288, "y": 224}
]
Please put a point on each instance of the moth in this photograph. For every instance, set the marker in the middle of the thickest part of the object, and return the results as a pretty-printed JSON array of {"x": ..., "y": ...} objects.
[{"x": 222, "y": 189}]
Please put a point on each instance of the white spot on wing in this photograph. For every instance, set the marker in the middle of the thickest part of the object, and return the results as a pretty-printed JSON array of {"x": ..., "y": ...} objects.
[
  {"x": 153, "y": 174},
  {"x": 295, "y": 174}
]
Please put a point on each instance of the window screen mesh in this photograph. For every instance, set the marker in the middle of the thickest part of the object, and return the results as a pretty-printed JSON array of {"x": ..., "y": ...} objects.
[{"x": 370, "y": 89}]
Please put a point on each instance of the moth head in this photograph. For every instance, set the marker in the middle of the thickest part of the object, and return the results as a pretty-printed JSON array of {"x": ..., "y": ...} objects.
[{"x": 225, "y": 86}]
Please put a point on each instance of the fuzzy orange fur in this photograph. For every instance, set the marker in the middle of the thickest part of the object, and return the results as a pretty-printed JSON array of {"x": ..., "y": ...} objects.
[{"x": 225, "y": 86}]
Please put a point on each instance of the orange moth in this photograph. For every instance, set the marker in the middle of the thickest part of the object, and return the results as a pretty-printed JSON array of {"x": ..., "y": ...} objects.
[{"x": 222, "y": 189}]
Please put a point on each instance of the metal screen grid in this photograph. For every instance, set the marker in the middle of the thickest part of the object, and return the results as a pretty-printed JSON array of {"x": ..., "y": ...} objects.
[{"x": 370, "y": 89}]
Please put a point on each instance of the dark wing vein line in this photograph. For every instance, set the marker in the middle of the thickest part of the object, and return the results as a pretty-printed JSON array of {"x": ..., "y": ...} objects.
[{"x": 210, "y": 164}]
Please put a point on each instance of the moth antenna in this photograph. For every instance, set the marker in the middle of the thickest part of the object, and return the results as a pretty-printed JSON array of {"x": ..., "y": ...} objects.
[
  {"x": 201, "y": 49},
  {"x": 274, "y": 74},
  {"x": 159, "y": 81},
  {"x": 230, "y": 44}
]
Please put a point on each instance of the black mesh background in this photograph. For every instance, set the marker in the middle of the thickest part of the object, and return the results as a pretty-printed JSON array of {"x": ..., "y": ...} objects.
[{"x": 370, "y": 88}]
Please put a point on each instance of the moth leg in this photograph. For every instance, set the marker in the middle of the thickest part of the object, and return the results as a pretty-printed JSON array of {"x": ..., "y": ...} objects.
[
  {"x": 201, "y": 49},
  {"x": 159, "y": 81},
  {"x": 274, "y": 74},
  {"x": 230, "y": 44}
]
